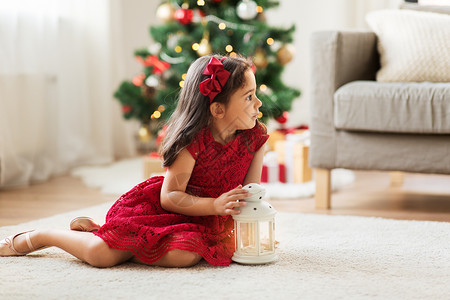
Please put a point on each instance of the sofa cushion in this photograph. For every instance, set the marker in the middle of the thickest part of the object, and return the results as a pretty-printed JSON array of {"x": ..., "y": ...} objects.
[
  {"x": 393, "y": 107},
  {"x": 413, "y": 45},
  {"x": 436, "y": 8}
]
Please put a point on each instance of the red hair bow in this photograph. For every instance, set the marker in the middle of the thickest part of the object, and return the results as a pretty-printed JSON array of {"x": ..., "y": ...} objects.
[{"x": 212, "y": 86}]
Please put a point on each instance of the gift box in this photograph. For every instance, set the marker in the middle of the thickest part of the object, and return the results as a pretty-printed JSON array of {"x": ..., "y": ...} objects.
[
  {"x": 274, "y": 137},
  {"x": 272, "y": 171},
  {"x": 153, "y": 165},
  {"x": 293, "y": 153},
  {"x": 280, "y": 134}
]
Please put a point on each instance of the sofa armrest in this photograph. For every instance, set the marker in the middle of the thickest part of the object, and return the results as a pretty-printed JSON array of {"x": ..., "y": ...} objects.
[
  {"x": 345, "y": 55},
  {"x": 338, "y": 57}
]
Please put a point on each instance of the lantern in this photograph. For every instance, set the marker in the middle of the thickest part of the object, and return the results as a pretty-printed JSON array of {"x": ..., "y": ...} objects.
[{"x": 254, "y": 229}]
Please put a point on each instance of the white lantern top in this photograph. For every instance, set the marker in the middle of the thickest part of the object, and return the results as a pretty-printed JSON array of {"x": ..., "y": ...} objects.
[{"x": 256, "y": 209}]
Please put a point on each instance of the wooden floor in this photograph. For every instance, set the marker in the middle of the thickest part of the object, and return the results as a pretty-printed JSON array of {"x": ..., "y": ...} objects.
[{"x": 421, "y": 197}]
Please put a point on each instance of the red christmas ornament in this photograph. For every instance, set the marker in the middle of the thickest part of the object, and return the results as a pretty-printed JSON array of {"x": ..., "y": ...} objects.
[
  {"x": 283, "y": 118},
  {"x": 201, "y": 13},
  {"x": 159, "y": 66},
  {"x": 126, "y": 109},
  {"x": 138, "y": 80},
  {"x": 184, "y": 16}
]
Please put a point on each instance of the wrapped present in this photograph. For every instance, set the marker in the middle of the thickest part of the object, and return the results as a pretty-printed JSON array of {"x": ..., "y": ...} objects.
[
  {"x": 280, "y": 134},
  {"x": 272, "y": 171},
  {"x": 293, "y": 153},
  {"x": 274, "y": 137},
  {"x": 153, "y": 165}
]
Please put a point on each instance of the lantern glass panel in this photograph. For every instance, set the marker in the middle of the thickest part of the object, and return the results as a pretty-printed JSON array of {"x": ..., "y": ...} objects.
[
  {"x": 248, "y": 238},
  {"x": 266, "y": 237}
]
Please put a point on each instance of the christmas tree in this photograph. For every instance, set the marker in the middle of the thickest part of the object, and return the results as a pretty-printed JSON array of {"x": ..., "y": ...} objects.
[{"x": 193, "y": 28}]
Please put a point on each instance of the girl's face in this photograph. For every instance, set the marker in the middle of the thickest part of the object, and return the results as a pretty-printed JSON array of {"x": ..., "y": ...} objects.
[{"x": 242, "y": 110}]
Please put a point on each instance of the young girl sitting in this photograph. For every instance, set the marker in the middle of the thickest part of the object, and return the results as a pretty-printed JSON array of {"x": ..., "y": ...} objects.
[{"x": 213, "y": 146}]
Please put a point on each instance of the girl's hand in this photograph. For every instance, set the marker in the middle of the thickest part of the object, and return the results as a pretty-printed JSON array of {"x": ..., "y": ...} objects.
[{"x": 226, "y": 203}]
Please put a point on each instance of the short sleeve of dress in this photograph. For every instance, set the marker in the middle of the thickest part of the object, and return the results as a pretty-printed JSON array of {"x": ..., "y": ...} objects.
[
  {"x": 198, "y": 144},
  {"x": 256, "y": 137}
]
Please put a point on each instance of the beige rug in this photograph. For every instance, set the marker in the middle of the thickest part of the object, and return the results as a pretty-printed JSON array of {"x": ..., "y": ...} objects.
[{"x": 320, "y": 257}]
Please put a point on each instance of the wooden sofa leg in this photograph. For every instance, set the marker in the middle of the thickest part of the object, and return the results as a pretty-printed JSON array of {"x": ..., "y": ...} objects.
[
  {"x": 397, "y": 178},
  {"x": 323, "y": 188}
]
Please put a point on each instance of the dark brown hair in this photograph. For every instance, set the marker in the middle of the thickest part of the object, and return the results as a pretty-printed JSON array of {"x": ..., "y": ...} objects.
[{"x": 192, "y": 112}]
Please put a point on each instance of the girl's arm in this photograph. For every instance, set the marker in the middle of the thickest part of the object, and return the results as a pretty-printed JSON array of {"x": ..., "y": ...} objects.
[
  {"x": 175, "y": 199},
  {"x": 255, "y": 169}
]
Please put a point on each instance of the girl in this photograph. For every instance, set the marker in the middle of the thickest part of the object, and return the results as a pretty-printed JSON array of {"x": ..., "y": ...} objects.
[{"x": 212, "y": 147}]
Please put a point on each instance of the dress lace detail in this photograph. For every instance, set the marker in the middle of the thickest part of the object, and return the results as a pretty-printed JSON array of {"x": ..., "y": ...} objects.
[{"x": 137, "y": 222}]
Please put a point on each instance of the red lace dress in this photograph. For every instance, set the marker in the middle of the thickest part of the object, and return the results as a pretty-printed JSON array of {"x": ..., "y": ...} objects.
[{"x": 137, "y": 222}]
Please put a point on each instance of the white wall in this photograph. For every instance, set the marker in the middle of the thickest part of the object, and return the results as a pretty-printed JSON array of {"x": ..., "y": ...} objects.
[
  {"x": 309, "y": 16},
  {"x": 137, "y": 17}
]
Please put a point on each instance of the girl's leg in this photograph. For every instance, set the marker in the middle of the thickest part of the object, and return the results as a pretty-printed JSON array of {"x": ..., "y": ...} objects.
[
  {"x": 176, "y": 258},
  {"x": 94, "y": 250},
  {"x": 83, "y": 245}
]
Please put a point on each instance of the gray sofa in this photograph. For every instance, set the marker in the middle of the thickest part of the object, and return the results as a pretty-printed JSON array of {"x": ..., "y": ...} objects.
[{"x": 359, "y": 123}]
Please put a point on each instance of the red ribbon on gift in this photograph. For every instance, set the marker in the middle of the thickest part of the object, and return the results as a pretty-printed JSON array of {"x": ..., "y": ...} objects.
[
  {"x": 281, "y": 174},
  {"x": 154, "y": 155},
  {"x": 212, "y": 86},
  {"x": 293, "y": 129}
]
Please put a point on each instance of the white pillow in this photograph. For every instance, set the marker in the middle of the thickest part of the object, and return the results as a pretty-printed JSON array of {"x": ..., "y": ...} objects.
[{"x": 413, "y": 45}]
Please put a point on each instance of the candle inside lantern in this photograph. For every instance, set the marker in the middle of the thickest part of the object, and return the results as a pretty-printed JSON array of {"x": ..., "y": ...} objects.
[
  {"x": 265, "y": 233},
  {"x": 247, "y": 238}
]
